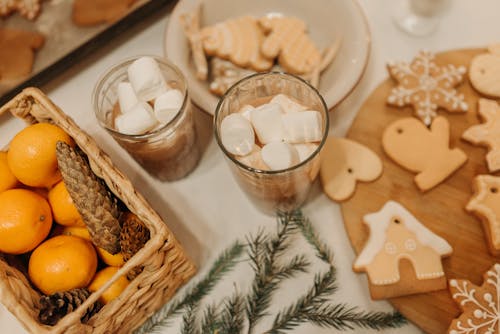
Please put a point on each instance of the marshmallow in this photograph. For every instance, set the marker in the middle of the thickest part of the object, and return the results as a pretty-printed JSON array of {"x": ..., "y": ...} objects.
[
  {"x": 136, "y": 121},
  {"x": 126, "y": 96},
  {"x": 279, "y": 155},
  {"x": 246, "y": 111},
  {"x": 168, "y": 105},
  {"x": 145, "y": 76},
  {"x": 237, "y": 134},
  {"x": 303, "y": 126},
  {"x": 254, "y": 159},
  {"x": 305, "y": 150},
  {"x": 266, "y": 120},
  {"x": 287, "y": 104}
]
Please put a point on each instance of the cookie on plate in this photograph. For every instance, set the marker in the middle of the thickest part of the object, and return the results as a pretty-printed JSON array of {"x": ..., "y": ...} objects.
[
  {"x": 484, "y": 72},
  {"x": 402, "y": 256},
  {"x": 426, "y": 86},
  {"x": 92, "y": 12}
]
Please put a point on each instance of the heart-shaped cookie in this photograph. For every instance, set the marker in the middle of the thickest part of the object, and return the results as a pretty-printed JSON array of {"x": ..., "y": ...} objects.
[{"x": 344, "y": 162}]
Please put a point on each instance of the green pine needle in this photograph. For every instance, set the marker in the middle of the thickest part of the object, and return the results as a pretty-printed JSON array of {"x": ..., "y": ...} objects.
[
  {"x": 209, "y": 322},
  {"x": 233, "y": 315},
  {"x": 189, "y": 320},
  {"x": 224, "y": 263}
]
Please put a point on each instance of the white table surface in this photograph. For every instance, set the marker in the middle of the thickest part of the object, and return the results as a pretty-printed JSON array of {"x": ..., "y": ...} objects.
[{"x": 207, "y": 208}]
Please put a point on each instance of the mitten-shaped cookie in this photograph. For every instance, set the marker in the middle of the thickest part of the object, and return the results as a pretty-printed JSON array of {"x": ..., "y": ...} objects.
[{"x": 425, "y": 151}]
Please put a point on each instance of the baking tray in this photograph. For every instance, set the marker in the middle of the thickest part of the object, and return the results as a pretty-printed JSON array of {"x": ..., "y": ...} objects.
[{"x": 65, "y": 42}]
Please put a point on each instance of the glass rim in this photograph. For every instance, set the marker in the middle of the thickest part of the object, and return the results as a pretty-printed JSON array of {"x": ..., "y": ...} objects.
[
  {"x": 118, "y": 66},
  {"x": 277, "y": 171}
]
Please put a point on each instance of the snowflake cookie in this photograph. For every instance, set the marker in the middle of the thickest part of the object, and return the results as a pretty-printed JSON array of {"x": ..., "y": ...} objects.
[
  {"x": 480, "y": 304},
  {"x": 27, "y": 8},
  {"x": 426, "y": 86}
]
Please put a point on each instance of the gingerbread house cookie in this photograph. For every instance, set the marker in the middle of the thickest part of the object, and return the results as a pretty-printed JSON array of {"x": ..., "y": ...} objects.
[
  {"x": 485, "y": 204},
  {"x": 480, "y": 305},
  {"x": 488, "y": 133},
  {"x": 396, "y": 236},
  {"x": 426, "y": 86}
]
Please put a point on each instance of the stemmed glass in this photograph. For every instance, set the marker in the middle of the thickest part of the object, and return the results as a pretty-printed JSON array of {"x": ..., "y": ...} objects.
[{"x": 418, "y": 17}]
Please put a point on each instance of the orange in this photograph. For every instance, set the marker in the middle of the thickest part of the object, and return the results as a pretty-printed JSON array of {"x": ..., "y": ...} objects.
[
  {"x": 63, "y": 208},
  {"x": 114, "y": 290},
  {"x": 7, "y": 179},
  {"x": 62, "y": 263},
  {"x": 110, "y": 259},
  {"x": 25, "y": 220},
  {"x": 75, "y": 231},
  {"x": 32, "y": 154}
]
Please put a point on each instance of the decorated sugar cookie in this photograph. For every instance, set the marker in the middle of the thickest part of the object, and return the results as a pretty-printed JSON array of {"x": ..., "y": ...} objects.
[
  {"x": 426, "y": 87},
  {"x": 480, "y": 305},
  {"x": 484, "y": 72},
  {"x": 396, "y": 235},
  {"x": 488, "y": 133},
  {"x": 485, "y": 204},
  {"x": 425, "y": 151},
  {"x": 239, "y": 40},
  {"x": 27, "y": 8},
  {"x": 343, "y": 163},
  {"x": 287, "y": 39}
]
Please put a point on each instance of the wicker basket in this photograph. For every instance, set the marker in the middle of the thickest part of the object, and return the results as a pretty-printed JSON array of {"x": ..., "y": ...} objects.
[{"x": 166, "y": 266}]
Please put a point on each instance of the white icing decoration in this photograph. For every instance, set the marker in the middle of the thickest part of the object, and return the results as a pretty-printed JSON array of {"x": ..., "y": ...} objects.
[
  {"x": 378, "y": 223},
  {"x": 429, "y": 80},
  {"x": 410, "y": 245},
  {"x": 391, "y": 248},
  {"x": 489, "y": 313}
]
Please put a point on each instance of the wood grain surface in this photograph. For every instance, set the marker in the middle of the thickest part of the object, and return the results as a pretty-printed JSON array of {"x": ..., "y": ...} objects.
[{"x": 441, "y": 209}]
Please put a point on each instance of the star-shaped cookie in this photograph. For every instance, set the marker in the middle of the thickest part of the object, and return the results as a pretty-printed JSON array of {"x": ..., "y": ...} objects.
[
  {"x": 480, "y": 304},
  {"x": 486, "y": 205},
  {"x": 426, "y": 86},
  {"x": 488, "y": 133}
]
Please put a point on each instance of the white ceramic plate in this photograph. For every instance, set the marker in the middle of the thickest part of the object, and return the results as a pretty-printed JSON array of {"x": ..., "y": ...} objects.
[{"x": 325, "y": 18}]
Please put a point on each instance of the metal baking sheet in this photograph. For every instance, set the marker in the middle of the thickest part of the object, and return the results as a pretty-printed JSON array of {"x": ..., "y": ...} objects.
[{"x": 65, "y": 42}]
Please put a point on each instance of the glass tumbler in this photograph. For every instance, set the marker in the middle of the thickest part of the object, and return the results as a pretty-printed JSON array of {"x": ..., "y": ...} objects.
[
  {"x": 168, "y": 152},
  {"x": 273, "y": 190}
]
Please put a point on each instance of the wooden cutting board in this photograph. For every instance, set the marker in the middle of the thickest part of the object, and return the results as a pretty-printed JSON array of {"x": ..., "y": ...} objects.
[{"x": 441, "y": 209}]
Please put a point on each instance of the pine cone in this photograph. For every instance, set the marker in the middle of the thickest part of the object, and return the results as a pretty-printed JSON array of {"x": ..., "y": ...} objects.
[
  {"x": 133, "y": 237},
  {"x": 57, "y": 305},
  {"x": 97, "y": 206}
]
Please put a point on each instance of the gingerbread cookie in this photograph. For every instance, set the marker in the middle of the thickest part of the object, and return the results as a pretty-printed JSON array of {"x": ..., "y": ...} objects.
[
  {"x": 27, "y": 8},
  {"x": 238, "y": 40},
  {"x": 17, "y": 52},
  {"x": 92, "y": 12},
  {"x": 425, "y": 151},
  {"x": 343, "y": 163},
  {"x": 287, "y": 39},
  {"x": 426, "y": 87},
  {"x": 224, "y": 74},
  {"x": 485, "y": 204},
  {"x": 396, "y": 235},
  {"x": 480, "y": 305},
  {"x": 488, "y": 133},
  {"x": 484, "y": 72}
]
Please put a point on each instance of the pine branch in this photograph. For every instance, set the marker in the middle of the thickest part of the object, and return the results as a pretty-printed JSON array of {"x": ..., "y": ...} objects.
[
  {"x": 341, "y": 317},
  {"x": 209, "y": 322},
  {"x": 224, "y": 263},
  {"x": 233, "y": 315},
  {"x": 263, "y": 253},
  {"x": 189, "y": 320},
  {"x": 323, "y": 252},
  {"x": 294, "y": 315},
  {"x": 298, "y": 264}
]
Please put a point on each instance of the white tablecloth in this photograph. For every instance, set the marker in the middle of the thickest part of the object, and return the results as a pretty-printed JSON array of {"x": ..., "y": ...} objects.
[{"x": 207, "y": 210}]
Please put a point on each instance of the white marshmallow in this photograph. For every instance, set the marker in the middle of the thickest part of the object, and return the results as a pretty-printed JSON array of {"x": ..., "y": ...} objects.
[
  {"x": 237, "y": 134},
  {"x": 267, "y": 122},
  {"x": 287, "y": 103},
  {"x": 279, "y": 155},
  {"x": 136, "y": 121},
  {"x": 168, "y": 105},
  {"x": 145, "y": 76},
  {"x": 126, "y": 96},
  {"x": 305, "y": 150},
  {"x": 253, "y": 159},
  {"x": 246, "y": 111},
  {"x": 303, "y": 126}
]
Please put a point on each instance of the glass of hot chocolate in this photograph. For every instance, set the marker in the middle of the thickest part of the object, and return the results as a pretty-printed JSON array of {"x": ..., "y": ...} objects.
[
  {"x": 271, "y": 128},
  {"x": 143, "y": 103}
]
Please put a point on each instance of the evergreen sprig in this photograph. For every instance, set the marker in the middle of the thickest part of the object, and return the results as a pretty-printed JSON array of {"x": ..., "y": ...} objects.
[
  {"x": 189, "y": 320},
  {"x": 209, "y": 322},
  {"x": 232, "y": 315},
  {"x": 222, "y": 265}
]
